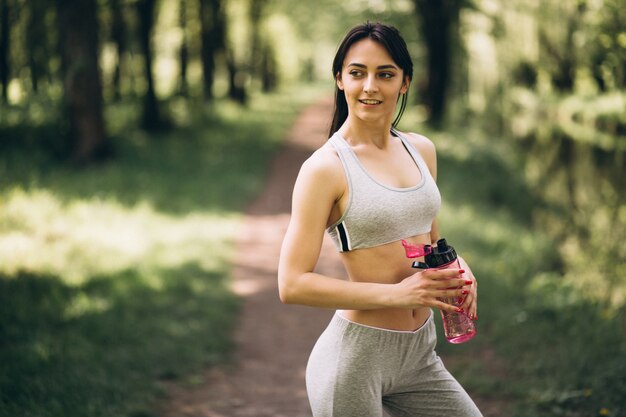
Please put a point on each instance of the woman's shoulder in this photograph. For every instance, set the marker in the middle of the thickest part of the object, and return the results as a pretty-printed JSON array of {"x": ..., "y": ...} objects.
[
  {"x": 324, "y": 160},
  {"x": 323, "y": 168},
  {"x": 321, "y": 181},
  {"x": 424, "y": 145}
]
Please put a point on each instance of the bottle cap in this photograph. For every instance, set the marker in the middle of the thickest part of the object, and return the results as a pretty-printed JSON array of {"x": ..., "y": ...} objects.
[{"x": 441, "y": 254}]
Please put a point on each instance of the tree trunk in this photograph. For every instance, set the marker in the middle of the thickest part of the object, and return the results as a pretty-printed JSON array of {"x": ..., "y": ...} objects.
[
  {"x": 212, "y": 21},
  {"x": 236, "y": 81},
  {"x": 37, "y": 45},
  {"x": 564, "y": 52},
  {"x": 268, "y": 70},
  {"x": 78, "y": 41},
  {"x": 438, "y": 23},
  {"x": 5, "y": 41},
  {"x": 151, "y": 119},
  {"x": 257, "y": 8},
  {"x": 184, "y": 50},
  {"x": 118, "y": 36}
]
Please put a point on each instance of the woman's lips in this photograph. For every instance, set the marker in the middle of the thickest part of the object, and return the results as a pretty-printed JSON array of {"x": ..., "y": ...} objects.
[{"x": 370, "y": 102}]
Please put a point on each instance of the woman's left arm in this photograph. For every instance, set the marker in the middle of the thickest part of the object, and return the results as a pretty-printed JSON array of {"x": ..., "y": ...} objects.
[{"x": 427, "y": 149}]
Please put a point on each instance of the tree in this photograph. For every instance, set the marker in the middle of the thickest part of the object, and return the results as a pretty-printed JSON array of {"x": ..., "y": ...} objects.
[
  {"x": 118, "y": 36},
  {"x": 38, "y": 43},
  {"x": 439, "y": 25},
  {"x": 151, "y": 119},
  {"x": 558, "y": 44},
  {"x": 184, "y": 49},
  {"x": 268, "y": 70},
  {"x": 236, "y": 80},
  {"x": 213, "y": 34},
  {"x": 262, "y": 59},
  {"x": 256, "y": 12},
  {"x": 78, "y": 44},
  {"x": 5, "y": 41}
]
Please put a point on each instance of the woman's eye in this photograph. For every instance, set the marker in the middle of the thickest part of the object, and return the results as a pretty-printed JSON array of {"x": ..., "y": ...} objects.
[
  {"x": 356, "y": 73},
  {"x": 386, "y": 75}
]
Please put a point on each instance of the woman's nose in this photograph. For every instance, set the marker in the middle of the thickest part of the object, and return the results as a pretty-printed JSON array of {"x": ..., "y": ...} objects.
[{"x": 370, "y": 85}]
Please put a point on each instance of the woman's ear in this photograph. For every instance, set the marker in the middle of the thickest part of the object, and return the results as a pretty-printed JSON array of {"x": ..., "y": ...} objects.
[
  {"x": 405, "y": 85},
  {"x": 338, "y": 81}
]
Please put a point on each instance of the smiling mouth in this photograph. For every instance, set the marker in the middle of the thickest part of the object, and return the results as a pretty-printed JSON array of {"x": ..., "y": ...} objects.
[{"x": 370, "y": 102}]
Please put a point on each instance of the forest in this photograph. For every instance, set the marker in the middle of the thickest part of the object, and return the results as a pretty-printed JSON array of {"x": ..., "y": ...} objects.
[{"x": 125, "y": 126}]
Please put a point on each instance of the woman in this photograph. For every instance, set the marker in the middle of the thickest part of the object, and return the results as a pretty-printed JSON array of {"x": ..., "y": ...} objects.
[{"x": 370, "y": 187}]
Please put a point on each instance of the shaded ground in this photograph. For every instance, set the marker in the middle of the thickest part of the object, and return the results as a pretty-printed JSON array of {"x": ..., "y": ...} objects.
[{"x": 266, "y": 378}]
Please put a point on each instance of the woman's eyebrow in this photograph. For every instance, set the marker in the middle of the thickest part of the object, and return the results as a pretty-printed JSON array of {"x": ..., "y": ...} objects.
[{"x": 388, "y": 66}]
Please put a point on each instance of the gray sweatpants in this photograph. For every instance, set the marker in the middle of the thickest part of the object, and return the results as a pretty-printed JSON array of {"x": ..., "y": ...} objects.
[{"x": 355, "y": 370}]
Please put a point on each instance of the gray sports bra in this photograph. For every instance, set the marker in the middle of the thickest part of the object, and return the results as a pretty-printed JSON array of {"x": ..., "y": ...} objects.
[{"x": 376, "y": 213}]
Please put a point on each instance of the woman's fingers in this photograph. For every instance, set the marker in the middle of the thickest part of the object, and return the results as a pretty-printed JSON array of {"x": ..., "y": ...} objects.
[
  {"x": 440, "y": 274},
  {"x": 447, "y": 278},
  {"x": 451, "y": 284},
  {"x": 447, "y": 307},
  {"x": 437, "y": 287},
  {"x": 470, "y": 303},
  {"x": 456, "y": 293}
]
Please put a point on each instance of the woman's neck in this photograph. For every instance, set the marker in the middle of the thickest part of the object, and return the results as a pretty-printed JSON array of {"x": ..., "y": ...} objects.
[{"x": 358, "y": 132}]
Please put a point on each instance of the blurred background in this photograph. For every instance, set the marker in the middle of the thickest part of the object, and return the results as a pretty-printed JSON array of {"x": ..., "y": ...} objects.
[{"x": 133, "y": 134}]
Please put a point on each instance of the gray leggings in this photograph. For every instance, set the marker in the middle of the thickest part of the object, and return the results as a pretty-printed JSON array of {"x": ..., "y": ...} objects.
[{"x": 355, "y": 370}]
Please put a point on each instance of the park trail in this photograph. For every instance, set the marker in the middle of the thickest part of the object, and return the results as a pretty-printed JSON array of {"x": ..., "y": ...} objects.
[{"x": 273, "y": 341}]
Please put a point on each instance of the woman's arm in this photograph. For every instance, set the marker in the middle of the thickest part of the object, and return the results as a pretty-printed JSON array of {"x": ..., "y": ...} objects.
[
  {"x": 427, "y": 149},
  {"x": 316, "y": 191}
]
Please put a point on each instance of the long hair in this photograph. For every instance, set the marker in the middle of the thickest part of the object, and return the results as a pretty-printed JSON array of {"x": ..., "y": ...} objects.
[{"x": 387, "y": 36}]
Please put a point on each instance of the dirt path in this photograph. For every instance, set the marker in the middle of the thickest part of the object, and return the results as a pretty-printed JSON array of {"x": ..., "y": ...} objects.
[{"x": 273, "y": 340}]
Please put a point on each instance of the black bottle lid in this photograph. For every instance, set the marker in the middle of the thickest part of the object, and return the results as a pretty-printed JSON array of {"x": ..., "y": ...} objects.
[{"x": 441, "y": 254}]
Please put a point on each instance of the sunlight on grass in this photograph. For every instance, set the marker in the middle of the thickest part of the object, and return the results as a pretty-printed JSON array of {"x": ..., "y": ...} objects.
[
  {"x": 115, "y": 277},
  {"x": 92, "y": 237}
]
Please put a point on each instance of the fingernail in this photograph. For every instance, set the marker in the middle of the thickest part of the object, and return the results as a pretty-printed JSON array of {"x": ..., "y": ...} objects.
[
  {"x": 464, "y": 292},
  {"x": 468, "y": 282},
  {"x": 459, "y": 310},
  {"x": 461, "y": 271}
]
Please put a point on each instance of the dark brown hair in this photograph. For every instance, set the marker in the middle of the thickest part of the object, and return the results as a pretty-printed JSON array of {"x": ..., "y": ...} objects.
[{"x": 387, "y": 36}]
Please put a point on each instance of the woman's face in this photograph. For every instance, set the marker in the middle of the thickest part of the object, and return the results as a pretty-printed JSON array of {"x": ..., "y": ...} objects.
[{"x": 371, "y": 81}]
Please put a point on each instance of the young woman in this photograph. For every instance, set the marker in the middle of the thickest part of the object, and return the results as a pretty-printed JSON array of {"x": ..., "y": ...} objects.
[{"x": 369, "y": 187}]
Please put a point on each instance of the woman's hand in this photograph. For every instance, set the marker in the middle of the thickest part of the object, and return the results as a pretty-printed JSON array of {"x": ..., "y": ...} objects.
[
  {"x": 426, "y": 288},
  {"x": 470, "y": 303}
]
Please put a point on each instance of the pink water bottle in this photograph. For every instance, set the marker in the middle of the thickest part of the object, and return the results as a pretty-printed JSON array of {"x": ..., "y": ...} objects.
[{"x": 458, "y": 327}]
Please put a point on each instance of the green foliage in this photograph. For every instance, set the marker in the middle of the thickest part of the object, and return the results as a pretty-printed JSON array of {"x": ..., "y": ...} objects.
[
  {"x": 99, "y": 349},
  {"x": 578, "y": 171},
  {"x": 532, "y": 179},
  {"x": 114, "y": 278},
  {"x": 570, "y": 354},
  {"x": 607, "y": 43},
  {"x": 546, "y": 345}
]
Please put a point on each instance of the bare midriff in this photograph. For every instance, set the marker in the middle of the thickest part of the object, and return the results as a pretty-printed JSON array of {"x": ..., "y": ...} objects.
[{"x": 385, "y": 264}]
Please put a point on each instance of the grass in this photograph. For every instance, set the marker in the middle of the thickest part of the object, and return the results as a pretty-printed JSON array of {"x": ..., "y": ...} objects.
[
  {"x": 543, "y": 347},
  {"x": 114, "y": 278}
]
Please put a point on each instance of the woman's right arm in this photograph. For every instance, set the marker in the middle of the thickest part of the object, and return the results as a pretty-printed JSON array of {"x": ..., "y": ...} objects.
[{"x": 316, "y": 191}]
